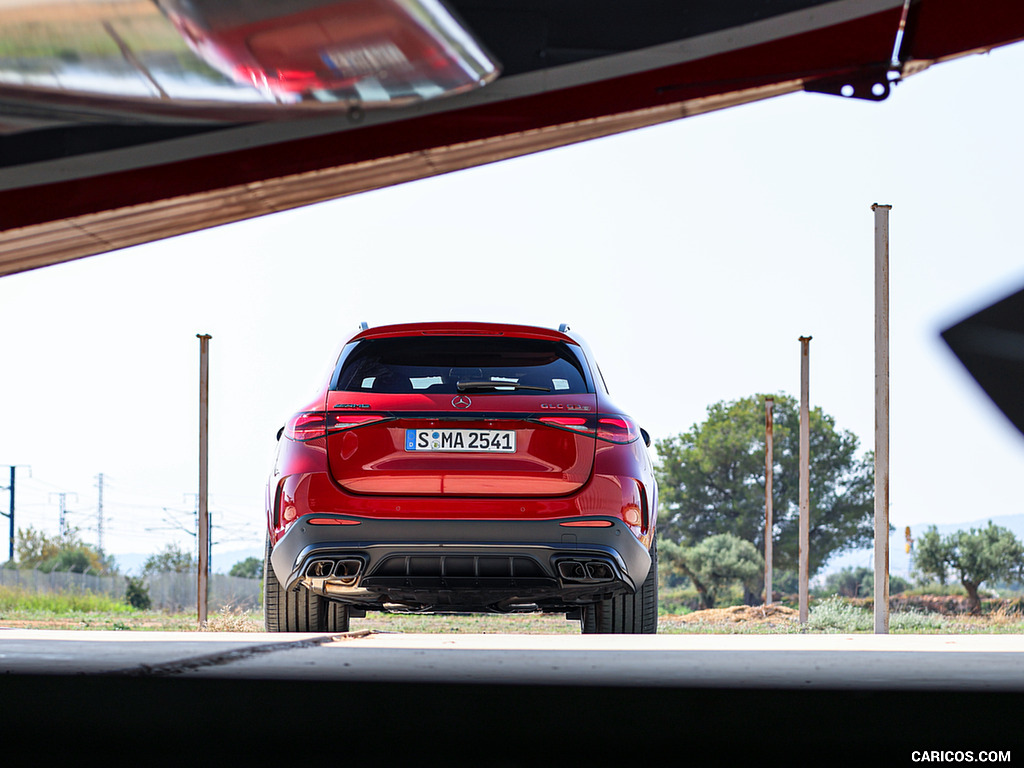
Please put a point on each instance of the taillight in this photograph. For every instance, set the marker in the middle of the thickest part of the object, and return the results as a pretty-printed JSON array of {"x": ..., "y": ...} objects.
[
  {"x": 610, "y": 427},
  {"x": 306, "y": 426},
  {"x": 574, "y": 423},
  {"x": 339, "y": 421},
  {"x": 310, "y": 425},
  {"x": 615, "y": 428}
]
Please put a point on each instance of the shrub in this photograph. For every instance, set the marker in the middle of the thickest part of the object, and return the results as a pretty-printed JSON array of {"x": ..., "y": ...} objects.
[
  {"x": 934, "y": 588},
  {"x": 675, "y": 601},
  {"x": 858, "y": 582},
  {"x": 833, "y": 614},
  {"x": 916, "y": 621},
  {"x": 136, "y": 594}
]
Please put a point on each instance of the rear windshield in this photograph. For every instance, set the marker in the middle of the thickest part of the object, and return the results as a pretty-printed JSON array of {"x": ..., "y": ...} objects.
[{"x": 453, "y": 364}]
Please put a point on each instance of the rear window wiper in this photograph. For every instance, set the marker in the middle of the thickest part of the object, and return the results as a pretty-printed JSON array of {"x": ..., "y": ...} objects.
[{"x": 464, "y": 385}]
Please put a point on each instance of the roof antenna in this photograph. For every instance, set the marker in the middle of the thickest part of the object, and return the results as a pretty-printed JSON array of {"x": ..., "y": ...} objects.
[
  {"x": 563, "y": 328},
  {"x": 363, "y": 326}
]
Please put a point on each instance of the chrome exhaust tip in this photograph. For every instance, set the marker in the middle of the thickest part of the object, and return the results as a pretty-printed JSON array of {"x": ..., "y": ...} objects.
[
  {"x": 323, "y": 573},
  {"x": 347, "y": 571},
  {"x": 320, "y": 569},
  {"x": 598, "y": 571},
  {"x": 572, "y": 570},
  {"x": 586, "y": 571}
]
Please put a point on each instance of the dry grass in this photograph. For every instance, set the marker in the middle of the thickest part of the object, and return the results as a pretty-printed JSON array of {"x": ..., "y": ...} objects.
[
  {"x": 735, "y": 618},
  {"x": 742, "y": 614},
  {"x": 1001, "y": 620},
  {"x": 227, "y": 620}
]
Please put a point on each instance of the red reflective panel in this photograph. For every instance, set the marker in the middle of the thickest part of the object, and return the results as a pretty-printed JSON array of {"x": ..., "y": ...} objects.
[
  {"x": 587, "y": 524},
  {"x": 331, "y": 521}
]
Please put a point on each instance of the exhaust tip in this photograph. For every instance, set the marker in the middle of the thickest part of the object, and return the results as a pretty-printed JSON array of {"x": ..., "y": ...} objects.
[
  {"x": 571, "y": 570},
  {"x": 599, "y": 571},
  {"x": 586, "y": 571},
  {"x": 320, "y": 569},
  {"x": 347, "y": 571}
]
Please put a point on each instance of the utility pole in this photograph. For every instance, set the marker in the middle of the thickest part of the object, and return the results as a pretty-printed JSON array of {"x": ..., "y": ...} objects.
[
  {"x": 204, "y": 520},
  {"x": 805, "y": 475},
  {"x": 881, "y": 418},
  {"x": 10, "y": 513},
  {"x": 99, "y": 512},
  {"x": 63, "y": 495},
  {"x": 769, "y": 468}
]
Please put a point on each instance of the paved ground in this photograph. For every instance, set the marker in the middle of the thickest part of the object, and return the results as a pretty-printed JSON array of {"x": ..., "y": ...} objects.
[
  {"x": 508, "y": 699},
  {"x": 852, "y": 662}
]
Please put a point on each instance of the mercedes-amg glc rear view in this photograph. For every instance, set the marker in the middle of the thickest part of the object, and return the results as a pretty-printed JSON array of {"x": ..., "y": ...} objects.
[{"x": 462, "y": 467}]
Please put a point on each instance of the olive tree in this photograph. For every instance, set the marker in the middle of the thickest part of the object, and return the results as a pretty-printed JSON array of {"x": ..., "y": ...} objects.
[
  {"x": 713, "y": 564},
  {"x": 973, "y": 557}
]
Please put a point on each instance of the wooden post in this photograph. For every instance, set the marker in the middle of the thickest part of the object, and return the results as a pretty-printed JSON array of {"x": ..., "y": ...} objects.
[
  {"x": 805, "y": 475},
  {"x": 204, "y": 519},
  {"x": 881, "y": 418},
  {"x": 769, "y": 470}
]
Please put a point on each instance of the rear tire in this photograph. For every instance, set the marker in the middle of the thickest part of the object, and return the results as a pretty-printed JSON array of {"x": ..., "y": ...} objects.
[
  {"x": 635, "y": 614},
  {"x": 300, "y": 610},
  {"x": 335, "y": 615}
]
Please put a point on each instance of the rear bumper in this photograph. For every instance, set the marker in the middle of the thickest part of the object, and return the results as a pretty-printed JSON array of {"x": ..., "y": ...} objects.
[{"x": 469, "y": 564}]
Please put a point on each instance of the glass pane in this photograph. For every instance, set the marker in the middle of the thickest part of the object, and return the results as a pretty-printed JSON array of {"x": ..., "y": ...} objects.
[{"x": 450, "y": 364}]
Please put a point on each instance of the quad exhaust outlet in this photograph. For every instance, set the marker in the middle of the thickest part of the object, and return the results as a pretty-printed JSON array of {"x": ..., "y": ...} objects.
[
  {"x": 344, "y": 571},
  {"x": 586, "y": 571}
]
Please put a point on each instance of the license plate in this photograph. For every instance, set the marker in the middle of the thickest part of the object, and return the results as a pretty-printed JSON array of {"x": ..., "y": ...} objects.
[{"x": 463, "y": 440}]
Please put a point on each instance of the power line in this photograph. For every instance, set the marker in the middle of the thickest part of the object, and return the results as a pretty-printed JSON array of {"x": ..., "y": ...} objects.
[{"x": 99, "y": 512}]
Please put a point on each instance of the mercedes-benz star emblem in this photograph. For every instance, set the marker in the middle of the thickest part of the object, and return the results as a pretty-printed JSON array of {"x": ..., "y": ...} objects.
[{"x": 461, "y": 401}]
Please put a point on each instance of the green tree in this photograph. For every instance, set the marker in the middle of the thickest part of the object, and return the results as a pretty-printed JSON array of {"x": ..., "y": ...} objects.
[
  {"x": 64, "y": 552},
  {"x": 712, "y": 480},
  {"x": 250, "y": 568},
  {"x": 848, "y": 582},
  {"x": 171, "y": 559},
  {"x": 974, "y": 557},
  {"x": 860, "y": 582},
  {"x": 715, "y": 563}
]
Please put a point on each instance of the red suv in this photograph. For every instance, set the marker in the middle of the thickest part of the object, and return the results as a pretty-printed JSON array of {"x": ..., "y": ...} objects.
[{"x": 453, "y": 467}]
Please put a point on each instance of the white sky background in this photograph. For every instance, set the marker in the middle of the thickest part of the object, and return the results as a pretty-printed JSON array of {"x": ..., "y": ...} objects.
[{"x": 692, "y": 256}]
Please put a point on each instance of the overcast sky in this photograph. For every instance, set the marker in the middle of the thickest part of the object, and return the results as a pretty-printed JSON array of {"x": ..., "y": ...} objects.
[{"x": 692, "y": 256}]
